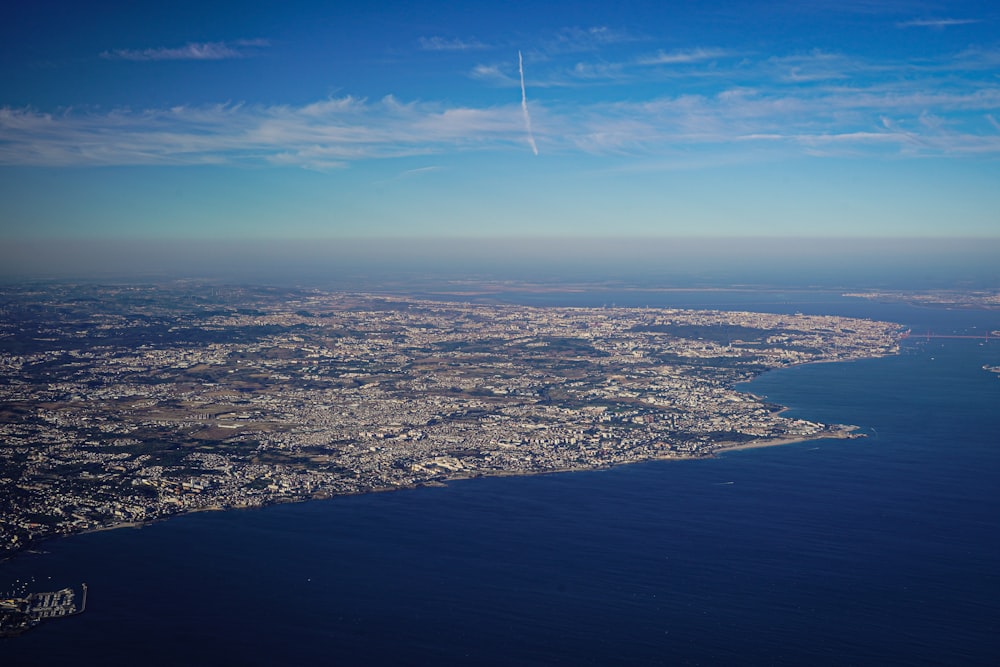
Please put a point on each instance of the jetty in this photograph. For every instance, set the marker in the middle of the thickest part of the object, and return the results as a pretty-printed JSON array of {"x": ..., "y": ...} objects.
[{"x": 20, "y": 614}]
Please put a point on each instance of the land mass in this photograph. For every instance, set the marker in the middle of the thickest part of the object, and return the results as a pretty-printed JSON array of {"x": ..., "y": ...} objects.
[
  {"x": 126, "y": 404},
  {"x": 978, "y": 299}
]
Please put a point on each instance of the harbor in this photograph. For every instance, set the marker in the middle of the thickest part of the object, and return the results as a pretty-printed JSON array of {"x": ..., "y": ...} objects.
[{"x": 20, "y": 614}]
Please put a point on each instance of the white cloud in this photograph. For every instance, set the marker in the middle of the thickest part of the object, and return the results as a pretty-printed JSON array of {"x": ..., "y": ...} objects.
[
  {"x": 325, "y": 134},
  {"x": 191, "y": 51},
  {"x": 493, "y": 74},
  {"x": 974, "y": 59},
  {"x": 437, "y": 43},
  {"x": 421, "y": 170},
  {"x": 660, "y": 65},
  {"x": 576, "y": 39},
  {"x": 814, "y": 66},
  {"x": 684, "y": 57},
  {"x": 935, "y": 23},
  {"x": 836, "y": 104}
]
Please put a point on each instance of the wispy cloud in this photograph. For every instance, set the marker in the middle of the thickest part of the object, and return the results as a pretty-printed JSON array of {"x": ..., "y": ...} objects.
[
  {"x": 814, "y": 66},
  {"x": 420, "y": 170},
  {"x": 576, "y": 39},
  {"x": 492, "y": 74},
  {"x": 683, "y": 57},
  {"x": 437, "y": 43},
  {"x": 662, "y": 64},
  {"x": 935, "y": 23},
  {"x": 191, "y": 51},
  {"x": 974, "y": 58},
  {"x": 600, "y": 71},
  {"x": 322, "y": 135},
  {"x": 863, "y": 7},
  {"x": 808, "y": 104}
]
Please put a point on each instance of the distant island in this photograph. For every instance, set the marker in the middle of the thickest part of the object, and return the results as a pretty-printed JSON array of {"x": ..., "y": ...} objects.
[
  {"x": 121, "y": 405},
  {"x": 939, "y": 298}
]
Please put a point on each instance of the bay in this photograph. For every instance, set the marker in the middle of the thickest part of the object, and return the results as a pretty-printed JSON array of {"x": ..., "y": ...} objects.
[{"x": 880, "y": 550}]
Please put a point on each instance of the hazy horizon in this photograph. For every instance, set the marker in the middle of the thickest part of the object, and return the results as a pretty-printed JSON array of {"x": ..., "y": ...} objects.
[{"x": 633, "y": 262}]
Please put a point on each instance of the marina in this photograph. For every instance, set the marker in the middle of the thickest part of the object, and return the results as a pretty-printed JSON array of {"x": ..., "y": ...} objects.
[{"x": 20, "y": 614}]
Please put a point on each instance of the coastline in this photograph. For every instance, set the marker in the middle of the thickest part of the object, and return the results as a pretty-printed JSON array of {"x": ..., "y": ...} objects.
[
  {"x": 841, "y": 433},
  {"x": 738, "y": 504},
  {"x": 140, "y": 524},
  {"x": 845, "y": 434},
  {"x": 713, "y": 450},
  {"x": 508, "y": 390},
  {"x": 114, "y": 526}
]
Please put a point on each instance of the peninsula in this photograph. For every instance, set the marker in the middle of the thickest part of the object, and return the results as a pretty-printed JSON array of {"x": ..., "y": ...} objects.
[{"x": 126, "y": 404}]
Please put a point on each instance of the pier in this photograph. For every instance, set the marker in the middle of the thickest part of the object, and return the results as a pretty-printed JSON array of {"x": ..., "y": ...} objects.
[{"x": 20, "y": 614}]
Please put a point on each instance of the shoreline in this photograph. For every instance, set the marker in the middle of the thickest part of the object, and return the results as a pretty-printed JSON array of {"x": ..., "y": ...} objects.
[
  {"x": 141, "y": 524},
  {"x": 844, "y": 433},
  {"x": 618, "y": 386}
]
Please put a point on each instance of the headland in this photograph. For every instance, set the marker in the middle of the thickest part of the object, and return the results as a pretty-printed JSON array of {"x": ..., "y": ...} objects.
[{"x": 123, "y": 405}]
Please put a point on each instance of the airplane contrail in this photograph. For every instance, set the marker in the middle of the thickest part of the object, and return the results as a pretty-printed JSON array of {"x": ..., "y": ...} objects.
[{"x": 524, "y": 105}]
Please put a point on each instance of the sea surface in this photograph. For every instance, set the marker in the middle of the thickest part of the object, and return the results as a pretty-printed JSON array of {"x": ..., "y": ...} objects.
[{"x": 877, "y": 551}]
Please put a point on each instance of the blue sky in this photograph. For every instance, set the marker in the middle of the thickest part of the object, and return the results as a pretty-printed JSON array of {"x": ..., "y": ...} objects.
[{"x": 299, "y": 120}]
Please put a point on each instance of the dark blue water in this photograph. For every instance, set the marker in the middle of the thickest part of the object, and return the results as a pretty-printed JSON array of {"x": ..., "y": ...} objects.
[{"x": 876, "y": 551}]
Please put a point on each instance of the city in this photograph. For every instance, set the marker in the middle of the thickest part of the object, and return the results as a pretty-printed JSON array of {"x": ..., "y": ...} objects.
[{"x": 126, "y": 404}]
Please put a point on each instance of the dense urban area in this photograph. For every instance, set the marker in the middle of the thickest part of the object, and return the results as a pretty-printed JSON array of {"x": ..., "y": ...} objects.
[{"x": 126, "y": 404}]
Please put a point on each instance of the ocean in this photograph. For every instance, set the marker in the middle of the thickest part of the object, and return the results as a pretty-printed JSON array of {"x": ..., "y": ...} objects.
[{"x": 881, "y": 550}]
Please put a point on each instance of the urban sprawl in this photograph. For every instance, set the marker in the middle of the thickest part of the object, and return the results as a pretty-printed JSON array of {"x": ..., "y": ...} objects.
[{"x": 126, "y": 404}]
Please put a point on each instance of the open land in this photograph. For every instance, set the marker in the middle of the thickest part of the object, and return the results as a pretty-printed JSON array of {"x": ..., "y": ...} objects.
[
  {"x": 126, "y": 404},
  {"x": 978, "y": 299}
]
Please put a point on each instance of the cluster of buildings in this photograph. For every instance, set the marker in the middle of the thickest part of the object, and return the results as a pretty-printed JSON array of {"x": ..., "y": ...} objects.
[{"x": 142, "y": 402}]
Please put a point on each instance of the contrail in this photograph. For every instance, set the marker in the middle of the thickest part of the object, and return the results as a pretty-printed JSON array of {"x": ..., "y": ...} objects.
[{"x": 524, "y": 105}]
